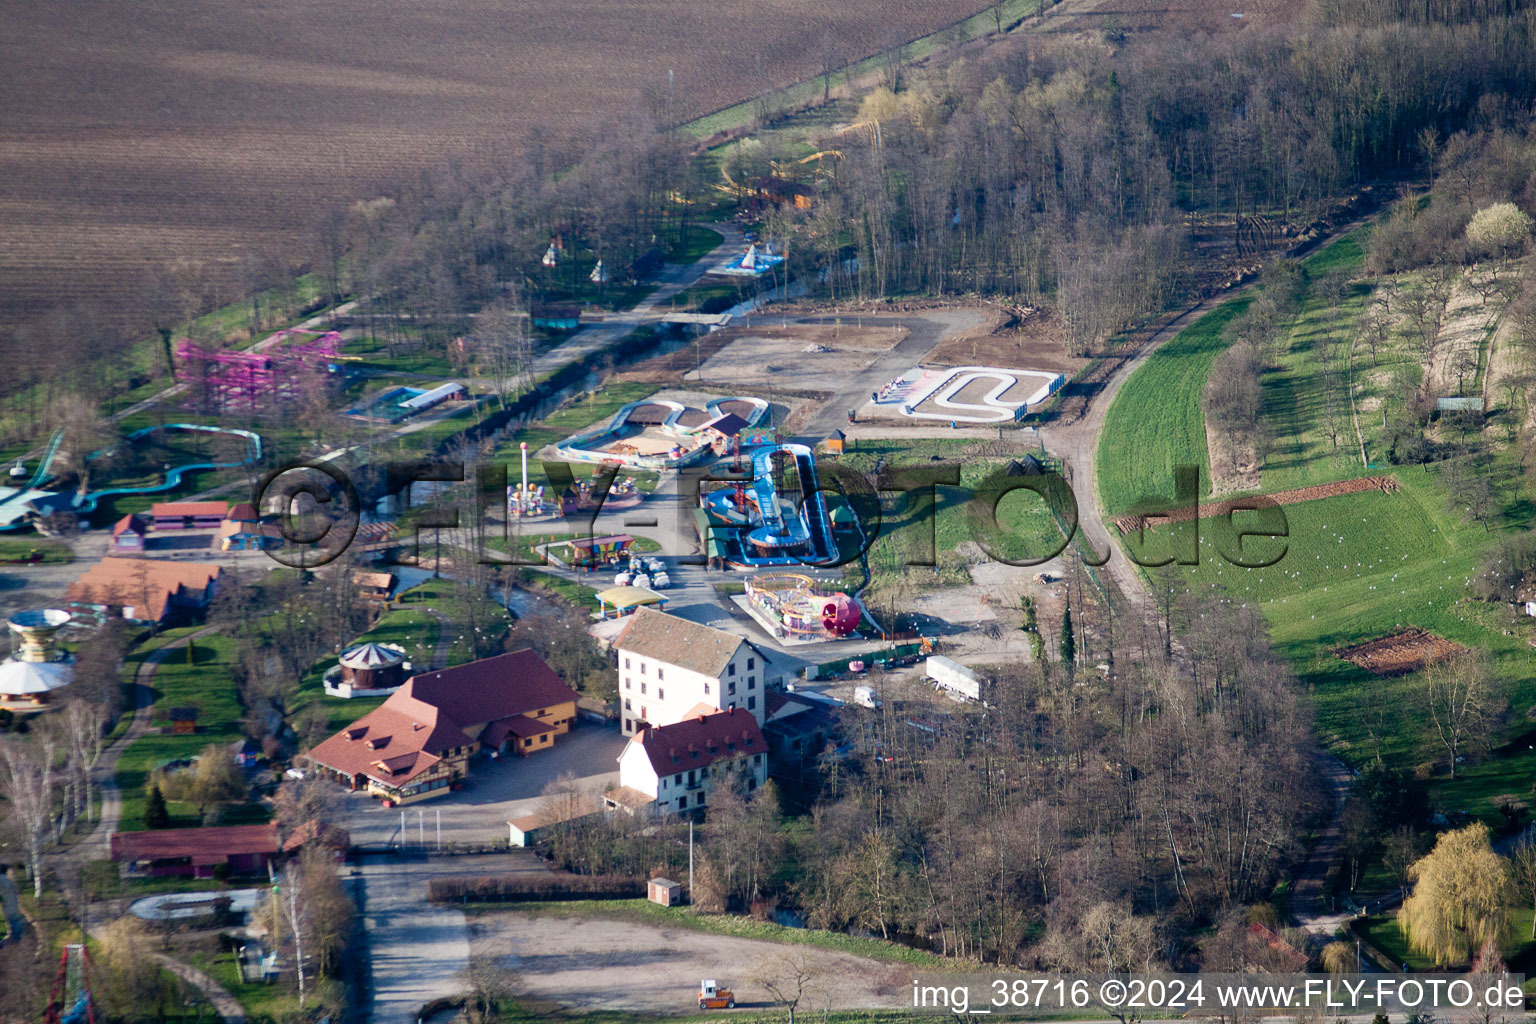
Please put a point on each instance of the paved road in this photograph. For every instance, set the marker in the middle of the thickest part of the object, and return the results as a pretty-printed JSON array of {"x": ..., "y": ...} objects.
[
  {"x": 923, "y": 333},
  {"x": 417, "y": 951}
]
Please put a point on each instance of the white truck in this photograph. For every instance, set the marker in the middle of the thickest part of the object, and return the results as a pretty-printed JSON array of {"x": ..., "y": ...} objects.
[
  {"x": 953, "y": 678},
  {"x": 865, "y": 697}
]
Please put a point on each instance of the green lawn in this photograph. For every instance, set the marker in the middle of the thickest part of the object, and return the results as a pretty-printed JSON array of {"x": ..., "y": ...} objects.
[
  {"x": 907, "y": 531},
  {"x": 408, "y": 624},
  {"x": 1383, "y": 930},
  {"x": 21, "y": 549},
  {"x": 1157, "y": 420},
  {"x": 205, "y": 684}
]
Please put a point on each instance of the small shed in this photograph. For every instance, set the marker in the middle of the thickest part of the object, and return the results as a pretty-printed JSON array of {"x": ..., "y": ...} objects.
[
  {"x": 128, "y": 533},
  {"x": 373, "y": 587},
  {"x": 1530, "y": 608},
  {"x": 664, "y": 891},
  {"x": 242, "y": 535},
  {"x": 183, "y": 720},
  {"x": 835, "y": 442}
]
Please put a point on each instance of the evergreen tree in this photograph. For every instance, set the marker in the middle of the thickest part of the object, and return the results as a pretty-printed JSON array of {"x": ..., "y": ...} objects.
[
  {"x": 1068, "y": 639},
  {"x": 155, "y": 813}
]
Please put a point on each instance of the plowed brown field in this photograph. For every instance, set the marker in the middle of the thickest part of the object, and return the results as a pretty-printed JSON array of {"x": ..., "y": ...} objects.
[
  {"x": 1407, "y": 651},
  {"x": 135, "y": 134}
]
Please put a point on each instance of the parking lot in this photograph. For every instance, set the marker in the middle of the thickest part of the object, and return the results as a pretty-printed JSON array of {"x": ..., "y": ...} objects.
[{"x": 495, "y": 792}]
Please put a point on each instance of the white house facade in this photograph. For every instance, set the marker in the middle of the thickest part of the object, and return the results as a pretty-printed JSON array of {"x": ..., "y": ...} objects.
[
  {"x": 671, "y": 669},
  {"x": 673, "y": 769}
]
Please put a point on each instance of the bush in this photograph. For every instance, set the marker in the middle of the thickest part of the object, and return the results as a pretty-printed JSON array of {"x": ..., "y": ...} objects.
[{"x": 537, "y": 888}]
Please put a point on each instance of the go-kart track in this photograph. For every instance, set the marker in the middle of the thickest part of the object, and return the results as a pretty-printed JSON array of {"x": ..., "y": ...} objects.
[{"x": 1006, "y": 400}]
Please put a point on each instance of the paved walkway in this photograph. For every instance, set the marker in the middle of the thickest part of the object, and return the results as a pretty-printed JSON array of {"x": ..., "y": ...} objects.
[
  {"x": 224, "y": 1004},
  {"x": 417, "y": 951}
]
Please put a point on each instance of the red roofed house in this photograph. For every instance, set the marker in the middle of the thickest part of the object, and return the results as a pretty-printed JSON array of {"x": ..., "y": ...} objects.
[
  {"x": 244, "y": 849},
  {"x": 672, "y": 769},
  {"x": 128, "y": 533},
  {"x": 147, "y": 589},
  {"x": 188, "y": 515},
  {"x": 418, "y": 743}
]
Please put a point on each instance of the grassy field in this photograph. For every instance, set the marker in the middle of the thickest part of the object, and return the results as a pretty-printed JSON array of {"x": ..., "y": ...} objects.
[
  {"x": 408, "y": 624},
  {"x": 906, "y": 530},
  {"x": 205, "y": 684},
  {"x": 1157, "y": 421},
  {"x": 1355, "y": 567},
  {"x": 22, "y": 549}
]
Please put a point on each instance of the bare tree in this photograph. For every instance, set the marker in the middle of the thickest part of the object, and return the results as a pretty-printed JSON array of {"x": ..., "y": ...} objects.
[
  {"x": 85, "y": 725},
  {"x": 790, "y": 978},
  {"x": 1458, "y": 695},
  {"x": 26, "y": 779},
  {"x": 1522, "y": 861}
]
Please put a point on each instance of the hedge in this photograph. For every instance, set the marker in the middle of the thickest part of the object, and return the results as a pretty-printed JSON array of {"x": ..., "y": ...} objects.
[{"x": 535, "y": 888}]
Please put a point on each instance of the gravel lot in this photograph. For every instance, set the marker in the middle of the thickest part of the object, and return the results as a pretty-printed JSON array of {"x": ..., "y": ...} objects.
[{"x": 592, "y": 964}]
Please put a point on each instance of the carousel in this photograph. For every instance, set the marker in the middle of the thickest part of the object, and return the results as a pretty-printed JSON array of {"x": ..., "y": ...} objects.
[{"x": 36, "y": 670}]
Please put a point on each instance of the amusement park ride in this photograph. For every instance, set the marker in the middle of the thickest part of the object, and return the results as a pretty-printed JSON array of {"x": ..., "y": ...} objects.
[
  {"x": 221, "y": 380},
  {"x": 71, "y": 1001}
]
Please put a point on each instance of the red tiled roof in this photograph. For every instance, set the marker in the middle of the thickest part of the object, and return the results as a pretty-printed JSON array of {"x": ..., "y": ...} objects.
[
  {"x": 390, "y": 745},
  {"x": 243, "y": 512},
  {"x": 189, "y": 508},
  {"x": 408, "y": 733},
  {"x": 520, "y": 726},
  {"x": 698, "y": 742},
  {"x": 146, "y": 584},
  {"x": 133, "y": 521},
  {"x": 200, "y": 844},
  {"x": 486, "y": 690}
]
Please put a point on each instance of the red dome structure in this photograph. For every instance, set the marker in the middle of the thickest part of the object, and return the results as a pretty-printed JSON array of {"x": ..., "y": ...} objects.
[{"x": 840, "y": 614}]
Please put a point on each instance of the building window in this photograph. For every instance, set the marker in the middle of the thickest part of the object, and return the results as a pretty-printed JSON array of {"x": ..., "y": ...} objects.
[
  {"x": 626, "y": 682},
  {"x": 751, "y": 664},
  {"x": 661, "y": 694},
  {"x": 751, "y": 682},
  {"x": 626, "y": 703},
  {"x": 731, "y": 689},
  {"x": 706, "y": 689},
  {"x": 730, "y": 669},
  {"x": 661, "y": 673},
  {"x": 642, "y": 668},
  {"x": 682, "y": 802},
  {"x": 642, "y": 688},
  {"x": 678, "y": 778},
  {"x": 698, "y": 800},
  {"x": 751, "y": 703},
  {"x": 626, "y": 663}
]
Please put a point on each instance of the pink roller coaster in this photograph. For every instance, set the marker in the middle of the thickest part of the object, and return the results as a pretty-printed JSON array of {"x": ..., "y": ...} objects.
[{"x": 277, "y": 369}]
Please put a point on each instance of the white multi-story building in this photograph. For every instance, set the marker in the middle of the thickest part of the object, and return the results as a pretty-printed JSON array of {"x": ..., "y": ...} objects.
[
  {"x": 671, "y": 669},
  {"x": 672, "y": 769}
]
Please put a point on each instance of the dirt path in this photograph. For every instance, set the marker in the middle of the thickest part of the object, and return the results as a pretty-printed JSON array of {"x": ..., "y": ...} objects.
[{"x": 592, "y": 964}]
